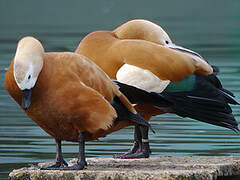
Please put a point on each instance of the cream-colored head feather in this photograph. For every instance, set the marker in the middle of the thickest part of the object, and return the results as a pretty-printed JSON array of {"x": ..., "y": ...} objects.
[
  {"x": 146, "y": 30},
  {"x": 143, "y": 29},
  {"x": 28, "y": 62}
]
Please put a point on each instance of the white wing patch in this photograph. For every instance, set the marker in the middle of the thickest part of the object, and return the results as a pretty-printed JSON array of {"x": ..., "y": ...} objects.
[{"x": 141, "y": 78}]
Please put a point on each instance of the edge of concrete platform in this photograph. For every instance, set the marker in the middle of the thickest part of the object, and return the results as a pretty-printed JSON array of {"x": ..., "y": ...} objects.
[{"x": 152, "y": 168}]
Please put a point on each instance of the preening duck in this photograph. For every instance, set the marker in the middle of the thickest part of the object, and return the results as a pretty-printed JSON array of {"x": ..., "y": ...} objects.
[
  {"x": 67, "y": 95},
  {"x": 159, "y": 76}
]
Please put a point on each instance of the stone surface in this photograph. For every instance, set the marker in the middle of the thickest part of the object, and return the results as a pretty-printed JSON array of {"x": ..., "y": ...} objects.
[{"x": 203, "y": 168}]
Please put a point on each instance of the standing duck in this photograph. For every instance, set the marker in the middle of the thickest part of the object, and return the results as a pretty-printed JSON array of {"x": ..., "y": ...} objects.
[
  {"x": 159, "y": 76},
  {"x": 67, "y": 95}
]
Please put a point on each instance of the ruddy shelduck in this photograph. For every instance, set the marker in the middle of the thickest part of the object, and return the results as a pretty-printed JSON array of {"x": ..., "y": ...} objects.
[
  {"x": 67, "y": 95},
  {"x": 159, "y": 76}
]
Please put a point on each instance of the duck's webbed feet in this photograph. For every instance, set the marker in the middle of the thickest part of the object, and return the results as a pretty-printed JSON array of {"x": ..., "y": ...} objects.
[
  {"x": 79, "y": 166},
  {"x": 81, "y": 163},
  {"x": 132, "y": 151},
  {"x": 62, "y": 165},
  {"x": 60, "y": 162},
  {"x": 141, "y": 148},
  {"x": 57, "y": 165}
]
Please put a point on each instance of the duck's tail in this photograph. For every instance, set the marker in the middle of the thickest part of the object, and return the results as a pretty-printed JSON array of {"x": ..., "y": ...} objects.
[
  {"x": 207, "y": 109},
  {"x": 208, "y": 101}
]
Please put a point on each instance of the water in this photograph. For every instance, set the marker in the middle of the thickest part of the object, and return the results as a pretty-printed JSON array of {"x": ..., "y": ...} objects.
[{"x": 210, "y": 28}]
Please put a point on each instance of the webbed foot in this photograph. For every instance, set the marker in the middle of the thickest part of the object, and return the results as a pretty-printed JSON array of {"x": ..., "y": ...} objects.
[
  {"x": 58, "y": 164},
  {"x": 78, "y": 166},
  {"x": 136, "y": 155}
]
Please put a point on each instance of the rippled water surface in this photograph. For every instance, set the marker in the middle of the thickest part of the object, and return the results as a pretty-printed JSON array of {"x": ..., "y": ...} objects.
[{"x": 212, "y": 29}]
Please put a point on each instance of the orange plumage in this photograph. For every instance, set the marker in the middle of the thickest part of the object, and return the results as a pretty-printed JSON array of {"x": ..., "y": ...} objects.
[
  {"x": 71, "y": 94},
  {"x": 140, "y": 43},
  {"x": 68, "y": 96},
  {"x": 146, "y": 64}
]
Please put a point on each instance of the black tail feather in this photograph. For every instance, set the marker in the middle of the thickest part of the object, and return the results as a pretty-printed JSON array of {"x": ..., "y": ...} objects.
[
  {"x": 212, "y": 78},
  {"x": 207, "y": 102},
  {"x": 228, "y": 99},
  {"x": 216, "y": 82},
  {"x": 210, "y": 104},
  {"x": 137, "y": 118},
  {"x": 139, "y": 96},
  {"x": 124, "y": 114},
  {"x": 199, "y": 110}
]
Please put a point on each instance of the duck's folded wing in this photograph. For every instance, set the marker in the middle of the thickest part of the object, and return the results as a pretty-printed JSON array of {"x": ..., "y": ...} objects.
[
  {"x": 165, "y": 63},
  {"x": 95, "y": 78},
  {"x": 99, "y": 111}
]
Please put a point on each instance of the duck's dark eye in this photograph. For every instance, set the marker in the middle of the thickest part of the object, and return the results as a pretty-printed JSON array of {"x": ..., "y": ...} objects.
[
  {"x": 29, "y": 77},
  {"x": 166, "y": 42}
]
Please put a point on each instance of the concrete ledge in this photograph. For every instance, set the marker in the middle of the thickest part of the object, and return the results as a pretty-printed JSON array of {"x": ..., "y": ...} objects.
[{"x": 204, "y": 168}]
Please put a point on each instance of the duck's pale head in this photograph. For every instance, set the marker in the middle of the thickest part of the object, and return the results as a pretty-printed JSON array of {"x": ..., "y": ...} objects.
[
  {"x": 28, "y": 63},
  {"x": 143, "y": 29},
  {"x": 149, "y": 31}
]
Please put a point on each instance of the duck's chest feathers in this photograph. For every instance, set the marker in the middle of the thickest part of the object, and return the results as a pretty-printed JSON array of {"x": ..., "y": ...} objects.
[{"x": 141, "y": 78}]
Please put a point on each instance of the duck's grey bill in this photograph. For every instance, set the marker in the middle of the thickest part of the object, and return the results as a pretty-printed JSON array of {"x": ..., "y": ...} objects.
[{"x": 26, "y": 98}]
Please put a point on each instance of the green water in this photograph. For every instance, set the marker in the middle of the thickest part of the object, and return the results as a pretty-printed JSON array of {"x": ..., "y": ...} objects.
[{"x": 211, "y": 28}]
